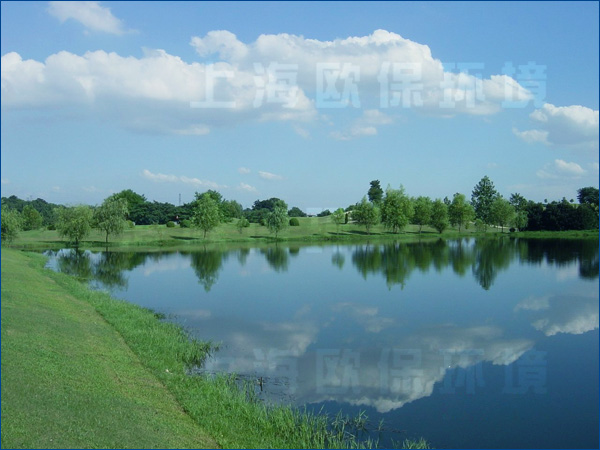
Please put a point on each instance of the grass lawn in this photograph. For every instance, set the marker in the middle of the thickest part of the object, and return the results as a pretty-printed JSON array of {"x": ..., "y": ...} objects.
[
  {"x": 69, "y": 380},
  {"x": 311, "y": 229}
]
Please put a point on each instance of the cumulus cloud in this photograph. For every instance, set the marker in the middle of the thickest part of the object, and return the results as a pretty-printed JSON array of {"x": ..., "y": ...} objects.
[
  {"x": 169, "y": 178},
  {"x": 90, "y": 14},
  {"x": 353, "y": 70},
  {"x": 573, "y": 125},
  {"x": 275, "y": 78},
  {"x": 158, "y": 92},
  {"x": 269, "y": 176},
  {"x": 561, "y": 169},
  {"x": 244, "y": 170}
]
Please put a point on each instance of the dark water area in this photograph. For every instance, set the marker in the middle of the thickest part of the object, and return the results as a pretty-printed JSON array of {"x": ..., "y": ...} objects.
[{"x": 488, "y": 343}]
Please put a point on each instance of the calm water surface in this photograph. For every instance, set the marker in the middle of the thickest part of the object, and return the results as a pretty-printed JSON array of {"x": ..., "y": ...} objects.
[{"x": 469, "y": 343}]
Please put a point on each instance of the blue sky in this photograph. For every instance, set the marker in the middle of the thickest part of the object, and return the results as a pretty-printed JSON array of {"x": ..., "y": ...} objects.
[{"x": 304, "y": 101}]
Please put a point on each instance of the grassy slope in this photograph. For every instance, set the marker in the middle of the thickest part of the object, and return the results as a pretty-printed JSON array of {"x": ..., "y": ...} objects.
[{"x": 69, "y": 380}]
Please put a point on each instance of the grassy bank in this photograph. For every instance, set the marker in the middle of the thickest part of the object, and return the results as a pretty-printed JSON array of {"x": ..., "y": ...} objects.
[
  {"x": 69, "y": 380},
  {"x": 80, "y": 369},
  {"x": 311, "y": 229}
]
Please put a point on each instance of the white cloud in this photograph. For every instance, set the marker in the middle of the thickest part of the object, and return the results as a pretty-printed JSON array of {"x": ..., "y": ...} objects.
[
  {"x": 561, "y": 169},
  {"x": 244, "y": 170},
  {"x": 273, "y": 78},
  {"x": 269, "y": 176},
  {"x": 573, "y": 125},
  {"x": 247, "y": 187},
  {"x": 5, "y": 181},
  {"x": 169, "y": 178},
  {"x": 152, "y": 93},
  {"x": 368, "y": 66},
  {"x": 363, "y": 126},
  {"x": 90, "y": 14},
  {"x": 90, "y": 189},
  {"x": 531, "y": 136}
]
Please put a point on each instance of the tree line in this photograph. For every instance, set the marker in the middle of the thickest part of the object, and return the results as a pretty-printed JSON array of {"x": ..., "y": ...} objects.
[{"x": 392, "y": 208}]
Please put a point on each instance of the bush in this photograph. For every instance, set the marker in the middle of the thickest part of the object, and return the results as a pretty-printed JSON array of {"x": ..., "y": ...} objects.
[
  {"x": 130, "y": 224},
  {"x": 512, "y": 230},
  {"x": 185, "y": 223},
  {"x": 294, "y": 222},
  {"x": 170, "y": 224}
]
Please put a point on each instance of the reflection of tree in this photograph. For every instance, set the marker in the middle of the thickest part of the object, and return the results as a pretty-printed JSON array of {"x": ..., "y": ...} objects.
[
  {"x": 394, "y": 261},
  {"x": 105, "y": 268},
  {"x": 207, "y": 264},
  {"x": 562, "y": 252},
  {"x": 491, "y": 255},
  {"x": 461, "y": 257},
  {"x": 242, "y": 255},
  {"x": 294, "y": 251},
  {"x": 486, "y": 257},
  {"x": 338, "y": 259},
  {"x": 277, "y": 257},
  {"x": 75, "y": 262}
]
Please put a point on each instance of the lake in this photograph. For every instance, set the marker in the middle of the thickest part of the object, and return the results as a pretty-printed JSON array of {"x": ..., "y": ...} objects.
[{"x": 488, "y": 343}]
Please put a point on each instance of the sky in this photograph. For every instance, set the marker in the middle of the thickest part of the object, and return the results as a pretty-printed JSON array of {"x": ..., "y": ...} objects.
[{"x": 305, "y": 101}]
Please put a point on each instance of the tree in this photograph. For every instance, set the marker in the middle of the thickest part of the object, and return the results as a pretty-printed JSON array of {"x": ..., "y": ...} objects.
[
  {"x": 32, "y": 219},
  {"x": 207, "y": 214},
  {"x": 518, "y": 201},
  {"x": 439, "y": 216},
  {"x": 338, "y": 217},
  {"x": 588, "y": 195},
  {"x": 296, "y": 212},
  {"x": 324, "y": 213},
  {"x": 397, "y": 209},
  {"x": 277, "y": 219},
  {"x": 11, "y": 224},
  {"x": 230, "y": 209},
  {"x": 111, "y": 216},
  {"x": 520, "y": 220},
  {"x": 482, "y": 198},
  {"x": 366, "y": 213},
  {"x": 422, "y": 212},
  {"x": 74, "y": 223},
  {"x": 460, "y": 211},
  {"x": 502, "y": 212},
  {"x": 241, "y": 224},
  {"x": 375, "y": 192}
]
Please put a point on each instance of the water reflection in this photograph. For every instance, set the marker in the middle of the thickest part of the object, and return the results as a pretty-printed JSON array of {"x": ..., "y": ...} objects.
[
  {"x": 485, "y": 257},
  {"x": 207, "y": 265},
  {"x": 395, "y": 261}
]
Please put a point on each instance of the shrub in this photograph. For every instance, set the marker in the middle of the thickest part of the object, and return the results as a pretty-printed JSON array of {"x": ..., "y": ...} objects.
[
  {"x": 170, "y": 224},
  {"x": 512, "y": 230},
  {"x": 294, "y": 222},
  {"x": 185, "y": 223},
  {"x": 130, "y": 224}
]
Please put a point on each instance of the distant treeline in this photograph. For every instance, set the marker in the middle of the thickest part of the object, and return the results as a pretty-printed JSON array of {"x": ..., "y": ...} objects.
[{"x": 527, "y": 215}]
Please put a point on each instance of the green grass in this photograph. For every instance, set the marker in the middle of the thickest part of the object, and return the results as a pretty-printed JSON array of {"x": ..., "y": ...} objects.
[
  {"x": 80, "y": 369},
  {"x": 69, "y": 380},
  {"x": 311, "y": 229}
]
